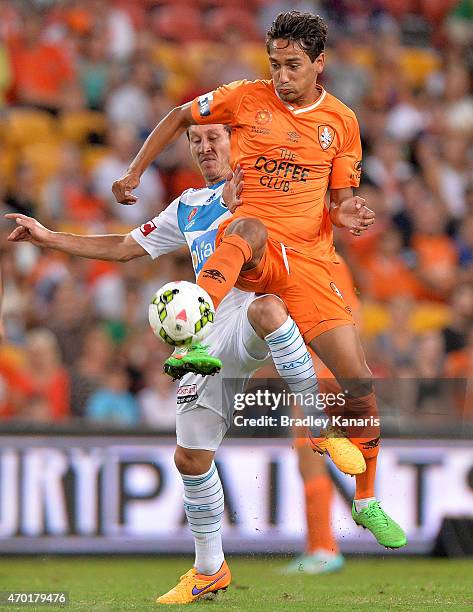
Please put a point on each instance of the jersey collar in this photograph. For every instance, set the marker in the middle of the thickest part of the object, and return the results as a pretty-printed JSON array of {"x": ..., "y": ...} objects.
[
  {"x": 216, "y": 185},
  {"x": 304, "y": 109}
]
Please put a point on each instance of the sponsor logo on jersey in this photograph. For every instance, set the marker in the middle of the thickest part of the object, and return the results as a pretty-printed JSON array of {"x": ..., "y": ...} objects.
[
  {"x": 293, "y": 136},
  {"x": 356, "y": 174},
  {"x": 279, "y": 173},
  {"x": 204, "y": 103},
  {"x": 192, "y": 213},
  {"x": 147, "y": 228},
  {"x": 186, "y": 393},
  {"x": 202, "y": 248},
  {"x": 263, "y": 117},
  {"x": 256, "y": 129},
  {"x": 211, "y": 198},
  {"x": 326, "y": 135},
  {"x": 214, "y": 274}
]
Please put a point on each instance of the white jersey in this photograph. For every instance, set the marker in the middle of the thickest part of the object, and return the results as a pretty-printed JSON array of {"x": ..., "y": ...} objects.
[{"x": 192, "y": 219}]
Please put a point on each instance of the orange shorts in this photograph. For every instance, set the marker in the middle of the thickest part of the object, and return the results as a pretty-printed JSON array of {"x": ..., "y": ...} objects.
[
  {"x": 305, "y": 285},
  {"x": 345, "y": 283}
]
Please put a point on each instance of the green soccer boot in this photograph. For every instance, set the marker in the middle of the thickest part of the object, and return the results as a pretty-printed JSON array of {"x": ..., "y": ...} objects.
[
  {"x": 386, "y": 531},
  {"x": 193, "y": 359}
]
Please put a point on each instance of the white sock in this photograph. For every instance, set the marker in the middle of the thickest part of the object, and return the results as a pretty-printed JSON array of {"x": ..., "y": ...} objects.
[
  {"x": 203, "y": 503},
  {"x": 363, "y": 503},
  {"x": 294, "y": 364}
]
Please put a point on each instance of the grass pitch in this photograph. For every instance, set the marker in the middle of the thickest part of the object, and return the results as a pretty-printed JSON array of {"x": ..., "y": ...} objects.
[{"x": 132, "y": 583}]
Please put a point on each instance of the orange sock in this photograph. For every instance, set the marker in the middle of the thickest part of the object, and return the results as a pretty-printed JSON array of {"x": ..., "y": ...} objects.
[
  {"x": 365, "y": 437},
  {"x": 368, "y": 444},
  {"x": 318, "y": 505},
  {"x": 365, "y": 482},
  {"x": 223, "y": 267}
]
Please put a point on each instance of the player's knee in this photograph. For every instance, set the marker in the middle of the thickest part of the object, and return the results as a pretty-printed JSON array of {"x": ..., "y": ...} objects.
[
  {"x": 254, "y": 232},
  {"x": 267, "y": 314},
  {"x": 358, "y": 381},
  {"x": 191, "y": 462}
]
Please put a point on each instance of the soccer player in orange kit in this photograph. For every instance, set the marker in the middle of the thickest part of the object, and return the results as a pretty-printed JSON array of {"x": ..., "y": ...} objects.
[{"x": 294, "y": 141}]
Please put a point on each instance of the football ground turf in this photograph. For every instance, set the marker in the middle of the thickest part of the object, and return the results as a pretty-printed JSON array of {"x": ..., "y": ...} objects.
[{"x": 132, "y": 583}]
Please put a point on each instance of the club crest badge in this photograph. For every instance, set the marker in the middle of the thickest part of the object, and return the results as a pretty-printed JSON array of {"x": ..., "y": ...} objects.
[
  {"x": 263, "y": 117},
  {"x": 326, "y": 136}
]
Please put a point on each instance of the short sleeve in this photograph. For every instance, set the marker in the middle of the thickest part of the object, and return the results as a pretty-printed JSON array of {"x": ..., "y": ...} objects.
[
  {"x": 346, "y": 165},
  {"x": 220, "y": 105},
  {"x": 161, "y": 234}
]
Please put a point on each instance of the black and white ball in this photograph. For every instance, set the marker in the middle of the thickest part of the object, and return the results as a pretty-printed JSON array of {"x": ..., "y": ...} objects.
[{"x": 181, "y": 313}]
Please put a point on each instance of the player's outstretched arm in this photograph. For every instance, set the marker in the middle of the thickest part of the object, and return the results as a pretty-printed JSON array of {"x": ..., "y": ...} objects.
[
  {"x": 167, "y": 130},
  {"x": 349, "y": 211},
  {"x": 109, "y": 247}
]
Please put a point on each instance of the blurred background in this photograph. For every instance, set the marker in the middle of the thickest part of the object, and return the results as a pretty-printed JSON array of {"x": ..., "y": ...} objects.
[{"x": 83, "y": 83}]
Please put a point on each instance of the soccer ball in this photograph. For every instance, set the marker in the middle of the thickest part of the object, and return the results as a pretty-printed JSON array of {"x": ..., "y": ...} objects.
[{"x": 181, "y": 313}]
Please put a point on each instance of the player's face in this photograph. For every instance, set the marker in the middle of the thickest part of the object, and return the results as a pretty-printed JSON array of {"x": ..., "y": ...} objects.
[
  {"x": 293, "y": 73},
  {"x": 210, "y": 149}
]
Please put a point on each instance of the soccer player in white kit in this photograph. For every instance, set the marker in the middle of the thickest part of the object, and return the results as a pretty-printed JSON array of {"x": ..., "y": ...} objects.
[{"x": 249, "y": 331}]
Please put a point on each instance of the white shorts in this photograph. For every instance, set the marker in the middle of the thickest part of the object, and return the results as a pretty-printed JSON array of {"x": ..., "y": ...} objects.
[{"x": 205, "y": 404}]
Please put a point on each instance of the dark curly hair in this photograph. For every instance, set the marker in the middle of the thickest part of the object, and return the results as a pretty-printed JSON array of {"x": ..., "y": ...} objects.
[{"x": 307, "y": 30}]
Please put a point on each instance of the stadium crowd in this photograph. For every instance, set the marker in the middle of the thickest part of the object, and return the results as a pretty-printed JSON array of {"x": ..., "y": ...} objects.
[{"x": 83, "y": 82}]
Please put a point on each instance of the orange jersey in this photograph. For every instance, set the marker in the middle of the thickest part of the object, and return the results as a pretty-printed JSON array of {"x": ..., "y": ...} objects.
[{"x": 290, "y": 156}]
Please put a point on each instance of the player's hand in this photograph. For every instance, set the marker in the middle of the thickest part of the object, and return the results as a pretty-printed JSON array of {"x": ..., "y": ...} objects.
[
  {"x": 28, "y": 230},
  {"x": 354, "y": 215},
  {"x": 232, "y": 189},
  {"x": 123, "y": 187}
]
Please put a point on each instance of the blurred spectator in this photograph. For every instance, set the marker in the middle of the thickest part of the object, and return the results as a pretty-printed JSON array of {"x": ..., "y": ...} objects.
[
  {"x": 68, "y": 193},
  {"x": 94, "y": 70},
  {"x": 436, "y": 254},
  {"x": 394, "y": 347},
  {"x": 461, "y": 318},
  {"x": 387, "y": 274},
  {"x": 130, "y": 102},
  {"x": 428, "y": 368},
  {"x": 459, "y": 101},
  {"x": 90, "y": 368},
  {"x": 387, "y": 169},
  {"x": 343, "y": 76},
  {"x": 69, "y": 316},
  {"x": 46, "y": 381},
  {"x": 158, "y": 401},
  {"x": 112, "y": 403},
  {"x": 447, "y": 170},
  {"x": 124, "y": 145},
  {"x": 409, "y": 117},
  {"x": 22, "y": 196},
  {"x": 460, "y": 24},
  {"x": 42, "y": 71}
]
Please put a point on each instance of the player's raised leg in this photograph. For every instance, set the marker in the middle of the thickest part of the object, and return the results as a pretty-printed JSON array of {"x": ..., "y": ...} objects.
[
  {"x": 269, "y": 318},
  {"x": 203, "y": 503},
  {"x": 340, "y": 349},
  {"x": 242, "y": 248}
]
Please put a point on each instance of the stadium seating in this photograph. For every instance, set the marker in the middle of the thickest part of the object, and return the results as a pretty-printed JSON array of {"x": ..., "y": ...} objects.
[
  {"x": 27, "y": 126},
  {"x": 78, "y": 126}
]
